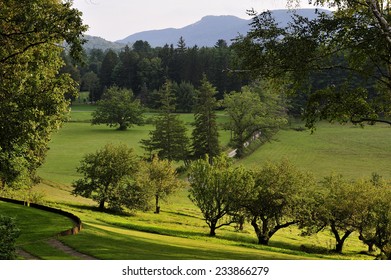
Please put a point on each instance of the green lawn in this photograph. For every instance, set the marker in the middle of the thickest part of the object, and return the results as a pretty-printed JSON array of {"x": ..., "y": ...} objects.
[
  {"x": 36, "y": 228},
  {"x": 349, "y": 150}
]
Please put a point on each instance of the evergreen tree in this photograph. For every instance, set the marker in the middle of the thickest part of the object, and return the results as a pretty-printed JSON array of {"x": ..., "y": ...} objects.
[
  {"x": 169, "y": 139},
  {"x": 205, "y": 136}
]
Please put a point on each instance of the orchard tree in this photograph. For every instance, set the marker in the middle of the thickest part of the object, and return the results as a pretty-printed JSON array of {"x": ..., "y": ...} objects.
[
  {"x": 277, "y": 198},
  {"x": 109, "y": 177},
  {"x": 118, "y": 107},
  {"x": 338, "y": 205},
  {"x": 205, "y": 136},
  {"x": 160, "y": 178},
  {"x": 355, "y": 38},
  {"x": 169, "y": 139},
  {"x": 217, "y": 189},
  {"x": 32, "y": 102}
]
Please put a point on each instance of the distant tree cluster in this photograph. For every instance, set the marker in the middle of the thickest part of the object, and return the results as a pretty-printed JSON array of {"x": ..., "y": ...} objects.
[{"x": 144, "y": 70}]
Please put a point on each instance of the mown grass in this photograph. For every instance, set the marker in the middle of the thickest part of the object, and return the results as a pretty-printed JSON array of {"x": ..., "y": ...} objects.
[
  {"x": 36, "y": 228},
  {"x": 179, "y": 232},
  {"x": 350, "y": 150}
]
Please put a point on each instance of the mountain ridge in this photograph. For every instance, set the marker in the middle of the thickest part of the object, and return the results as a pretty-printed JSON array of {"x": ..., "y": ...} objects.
[{"x": 203, "y": 33}]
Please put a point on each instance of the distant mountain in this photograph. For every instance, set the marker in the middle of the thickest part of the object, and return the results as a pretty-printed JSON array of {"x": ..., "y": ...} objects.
[
  {"x": 209, "y": 30},
  {"x": 205, "y": 32},
  {"x": 94, "y": 42}
]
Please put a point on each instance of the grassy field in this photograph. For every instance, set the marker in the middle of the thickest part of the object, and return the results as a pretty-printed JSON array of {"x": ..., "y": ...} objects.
[
  {"x": 179, "y": 232},
  {"x": 350, "y": 150},
  {"x": 36, "y": 228}
]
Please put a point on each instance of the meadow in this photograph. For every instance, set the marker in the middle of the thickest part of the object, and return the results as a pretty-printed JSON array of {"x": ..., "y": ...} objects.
[{"x": 179, "y": 231}]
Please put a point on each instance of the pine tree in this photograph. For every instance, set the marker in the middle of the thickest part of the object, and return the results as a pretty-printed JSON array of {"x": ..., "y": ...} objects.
[
  {"x": 205, "y": 134},
  {"x": 169, "y": 139}
]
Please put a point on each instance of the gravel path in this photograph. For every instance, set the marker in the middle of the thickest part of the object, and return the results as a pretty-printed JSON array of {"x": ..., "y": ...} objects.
[{"x": 55, "y": 243}]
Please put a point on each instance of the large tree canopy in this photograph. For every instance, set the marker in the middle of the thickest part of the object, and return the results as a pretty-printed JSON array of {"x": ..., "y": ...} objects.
[
  {"x": 32, "y": 102},
  {"x": 354, "y": 39}
]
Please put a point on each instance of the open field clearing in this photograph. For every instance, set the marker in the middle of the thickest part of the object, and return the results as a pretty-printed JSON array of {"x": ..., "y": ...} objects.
[{"x": 179, "y": 231}]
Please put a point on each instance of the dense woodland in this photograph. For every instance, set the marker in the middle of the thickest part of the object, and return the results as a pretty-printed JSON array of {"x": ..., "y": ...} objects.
[{"x": 144, "y": 70}]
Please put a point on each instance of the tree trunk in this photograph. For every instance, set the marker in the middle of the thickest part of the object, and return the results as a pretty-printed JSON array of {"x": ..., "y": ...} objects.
[
  {"x": 122, "y": 126},
  {"x": 212, "y": 227},
  {"x": 157, "y": 210},
  {"x": 102, "y": 205},
  {"x": 339, "y": 241},
  {"x": 263, "y": 237}
]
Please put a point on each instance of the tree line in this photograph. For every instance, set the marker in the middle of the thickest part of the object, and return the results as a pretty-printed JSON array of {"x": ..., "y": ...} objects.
[{"x": 144, "y": 69}]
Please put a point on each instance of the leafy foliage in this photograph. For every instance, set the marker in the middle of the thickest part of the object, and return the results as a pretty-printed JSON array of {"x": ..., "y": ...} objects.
[
  {"x": 109, "y": 176},
  {"x": 118, "y": 108},
  {"x": 276, "y": 199},
  {"x": 9, "y": 232},
  {"x": 160, "y": 178},
  {"x": 32, "y": 102},
  {"x": 217, "y": 188},
  {"x": 252, "y": 112},
  {"x": 356, "y": 39}
]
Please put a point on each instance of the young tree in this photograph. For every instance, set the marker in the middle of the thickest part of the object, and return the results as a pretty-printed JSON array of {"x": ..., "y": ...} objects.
[
  {"x": 169, "y": 139},
  {"x": 217, "y": 189},
  {"x": 205, "y": 136},
  {"x": 109, "y": 177},
  {"x": 160, "y": 177},
  {"x": 32, "y": 103},
  {"x": 276, "y": 199},
  {"x": 118, "y": 107}
]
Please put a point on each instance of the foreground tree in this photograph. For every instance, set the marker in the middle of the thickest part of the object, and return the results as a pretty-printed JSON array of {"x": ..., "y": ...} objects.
[
  {"x": 119, "y": 108},
  {"x": 32, "y": 103},
  {"x": 216, "y": 188},
  {"x": 354, "y": 39},
  {"x": 338, "y": 205},
  {"x": 160, "y": 178},
  {"x": 205, "y": 136},
  {"x": 374, "y": 223},
  {"x": 109, "y": 177},
  {"x": 277, "y": 198}
]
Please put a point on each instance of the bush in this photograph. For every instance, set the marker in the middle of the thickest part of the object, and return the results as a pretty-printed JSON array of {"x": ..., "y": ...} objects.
[{"x": 8, "y": 235}]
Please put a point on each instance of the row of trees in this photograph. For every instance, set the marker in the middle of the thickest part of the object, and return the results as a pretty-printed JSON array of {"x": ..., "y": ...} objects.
[{"x": 279, "y": 195}]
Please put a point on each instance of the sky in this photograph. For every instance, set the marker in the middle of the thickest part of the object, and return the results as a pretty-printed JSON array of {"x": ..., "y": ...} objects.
[{"x": 116, "y": 19}]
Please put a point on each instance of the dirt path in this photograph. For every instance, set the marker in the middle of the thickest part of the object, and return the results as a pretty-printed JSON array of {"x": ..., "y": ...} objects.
[
  {"x": 62, "y": 247},
  {"x": 55, "y": 243},
  {"x": 26, "y": 255}
]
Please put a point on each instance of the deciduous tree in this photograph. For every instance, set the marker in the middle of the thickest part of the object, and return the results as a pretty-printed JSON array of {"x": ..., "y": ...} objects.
[
  {"x": 217, "y": 188},
  {"x": 277, "y": 198},
  {"x": 109, "y": 177},
  {"x": 32, "y": 102},
  {"x": 119, "y": 108},
  {"x": 159, "y": 177}
]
